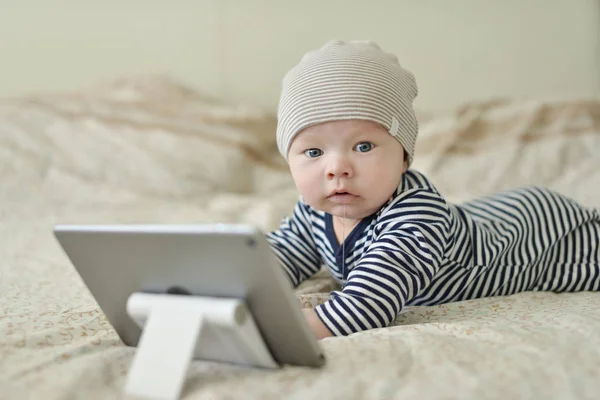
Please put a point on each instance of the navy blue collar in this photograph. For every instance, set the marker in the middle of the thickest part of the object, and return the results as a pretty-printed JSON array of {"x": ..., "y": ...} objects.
[{"x": 351, "y": 238}]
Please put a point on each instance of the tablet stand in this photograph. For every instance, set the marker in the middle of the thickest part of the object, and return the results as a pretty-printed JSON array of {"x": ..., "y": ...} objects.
[{"x": 179, "y": 328}]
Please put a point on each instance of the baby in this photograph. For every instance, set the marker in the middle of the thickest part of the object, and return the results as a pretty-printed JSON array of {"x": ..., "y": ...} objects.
[{"x": 347, "y": 128}]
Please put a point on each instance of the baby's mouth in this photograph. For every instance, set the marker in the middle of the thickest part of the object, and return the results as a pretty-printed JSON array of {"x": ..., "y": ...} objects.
[{"x": 342, "y": 197}]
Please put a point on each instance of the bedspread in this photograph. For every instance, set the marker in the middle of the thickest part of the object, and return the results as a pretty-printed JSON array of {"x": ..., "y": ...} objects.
[{"x": 150, "y": 150}]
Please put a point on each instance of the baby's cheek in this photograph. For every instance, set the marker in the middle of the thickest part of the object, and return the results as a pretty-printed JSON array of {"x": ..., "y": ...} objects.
[
  {"x": 384, "y": 184},
  {"x": 306, "y": 187},
  {"x": 382, "y": 176}
]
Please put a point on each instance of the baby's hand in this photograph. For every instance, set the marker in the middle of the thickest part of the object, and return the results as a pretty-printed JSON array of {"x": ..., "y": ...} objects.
[{"x": 320, "y": 330}]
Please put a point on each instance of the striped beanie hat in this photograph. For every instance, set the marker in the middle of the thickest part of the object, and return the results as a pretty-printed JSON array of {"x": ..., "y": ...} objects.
[{"x": 348, "y": 80}]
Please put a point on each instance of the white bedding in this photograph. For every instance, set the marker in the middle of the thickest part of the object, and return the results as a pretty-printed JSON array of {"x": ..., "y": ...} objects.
[{"x": 151, "y": 150}]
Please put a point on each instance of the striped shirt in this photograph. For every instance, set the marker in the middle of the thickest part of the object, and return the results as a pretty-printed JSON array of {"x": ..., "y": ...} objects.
[{"x": 418, "y": 249}]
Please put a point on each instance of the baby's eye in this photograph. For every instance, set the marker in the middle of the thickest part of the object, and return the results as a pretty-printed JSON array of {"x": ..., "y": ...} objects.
[
  {"x": 313, "y": 153},
  {"x": 363, "y": 147}
]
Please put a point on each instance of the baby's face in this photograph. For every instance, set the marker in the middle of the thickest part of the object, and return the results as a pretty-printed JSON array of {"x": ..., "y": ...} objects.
[{"x": 353, "y": 164}]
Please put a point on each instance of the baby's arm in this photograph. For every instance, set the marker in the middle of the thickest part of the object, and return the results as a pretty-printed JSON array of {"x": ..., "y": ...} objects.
[
  {"x": 315, "y": 324},
  {"x": 410, "y": 242},
  {"x": 294, "y": 246}
]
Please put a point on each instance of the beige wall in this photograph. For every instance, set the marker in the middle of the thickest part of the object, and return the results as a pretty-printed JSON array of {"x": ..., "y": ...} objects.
[{"x": 239, "y": 50}]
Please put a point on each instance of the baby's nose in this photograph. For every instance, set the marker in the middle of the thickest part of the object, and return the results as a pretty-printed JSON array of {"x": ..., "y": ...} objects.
[{"x": 339, "y": 168}]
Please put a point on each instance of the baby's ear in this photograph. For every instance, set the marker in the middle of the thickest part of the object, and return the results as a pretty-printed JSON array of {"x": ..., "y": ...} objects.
[{"x": 405, "y": 167}]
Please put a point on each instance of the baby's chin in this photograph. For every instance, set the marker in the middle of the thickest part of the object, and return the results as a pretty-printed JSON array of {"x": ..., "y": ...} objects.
[
  {"x": 349, "y": 211},
  {"x": 356, "y": 210}
]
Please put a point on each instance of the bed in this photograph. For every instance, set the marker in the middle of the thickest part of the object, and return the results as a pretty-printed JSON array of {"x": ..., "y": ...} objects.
[
  {"x": 198, "y": 147},
  {"x": 137, "y": 150}
]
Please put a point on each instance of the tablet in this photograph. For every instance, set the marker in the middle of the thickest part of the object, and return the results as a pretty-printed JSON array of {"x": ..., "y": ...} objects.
[{"x": 221, "y": 260}]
